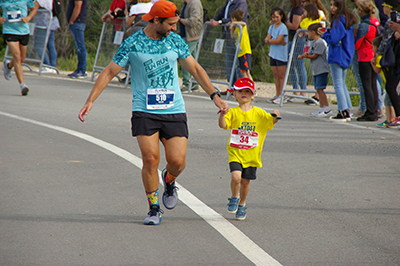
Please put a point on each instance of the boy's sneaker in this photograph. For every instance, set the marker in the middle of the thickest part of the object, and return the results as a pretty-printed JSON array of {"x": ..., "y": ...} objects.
[
  {"x": 394, "y": 123},
  {"x": 322, "y": 112},
  {"x": 154, "y": 216},
  {"x": 24, "y": 91},
  {"x": 383, "y": 124},
  {"x": 233, "y": 204},
  {"x": 170, "y": 196},
  {"x": 7, "y": 71},
  {"x": 241, "y": 212}
]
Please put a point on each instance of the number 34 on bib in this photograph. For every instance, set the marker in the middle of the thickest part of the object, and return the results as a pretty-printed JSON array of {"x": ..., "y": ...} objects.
[{"x": 243, "y": 139}]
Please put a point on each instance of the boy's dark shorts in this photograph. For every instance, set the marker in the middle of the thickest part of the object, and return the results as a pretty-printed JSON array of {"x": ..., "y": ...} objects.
[
  {"x": 320, "y": 81},
  {"x": 245, "y": 62},
  {"x": 22, "y": 39},
  {"x": 274, "y": 62},
  {"x": 247, "y": 173},
  {"x": 169, "y": 125}
]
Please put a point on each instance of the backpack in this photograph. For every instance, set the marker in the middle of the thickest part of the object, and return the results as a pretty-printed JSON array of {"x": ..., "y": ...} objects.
[
  {"x": 379, "y": 29},
  {"x": 56, "y": 8}
]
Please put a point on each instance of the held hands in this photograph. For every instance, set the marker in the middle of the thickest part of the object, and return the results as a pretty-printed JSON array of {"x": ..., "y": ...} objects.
[{"x": 221, "y": 104}]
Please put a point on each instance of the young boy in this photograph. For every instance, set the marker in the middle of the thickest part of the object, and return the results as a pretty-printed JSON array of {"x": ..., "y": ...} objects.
[
  {"x": 376, "y": 66},
  {"x": 244, "y": 54},
  {"x": 319, "y": 67},
  {"x": 249, "y": 125}
]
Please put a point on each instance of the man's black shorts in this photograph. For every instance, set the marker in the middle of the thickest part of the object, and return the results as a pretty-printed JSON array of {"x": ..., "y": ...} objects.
[
  {"x": 22, "y": 39},
  {"x": 169, "y": 125}
]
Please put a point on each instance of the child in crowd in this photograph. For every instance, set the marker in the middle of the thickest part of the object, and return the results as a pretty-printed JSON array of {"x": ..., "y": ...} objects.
[
  {"x": 319, "y": 67},
  {"x": 249, "y": 125},
  {"x": 310, "y": 16},
  {"x": 365, "y": 34},
  {"x": 245, "y": 48},
  {"x": 321, "y": 10},
  {"x": 340, "y": 39},
  {"x": 277, "y": 39},
  {"x": 375, "y": 63}
]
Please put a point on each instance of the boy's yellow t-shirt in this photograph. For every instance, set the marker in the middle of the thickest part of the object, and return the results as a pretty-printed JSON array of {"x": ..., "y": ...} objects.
[
  {"x": 378, "y": 64},
  {"x": 255, "y": 120},
  {"x": 245, "y": 47},
  {"x": 306, "y": 22}
]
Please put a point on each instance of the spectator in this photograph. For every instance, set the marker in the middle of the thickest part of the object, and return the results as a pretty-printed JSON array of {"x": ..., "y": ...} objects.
[
  {"x": 42, "y": 20},
  {"x": 310, "y": 16},
  {"x": 244, "y": 54},
  {"x": 158, "y": 109},
  {"x": 246, "y": 142},
  {"x": 76, "y": 17},
  {"x": 224, "y": 17},
  {"x": 16, "y": 35},
  {"x": 375, "y": 63},
  {"x": 116, "y": 10},
  {"x": 297, "y": 71},
  {"x": 340, "y": 56},
  {"x": 277, "y": 39},
  {"x": 365, "y": 35},
  {"x": 321, "y": 10},
  {"x": 319, "y": 67},
  {"x": 134, "y": 16},
  {"x": 190, "y": 25}
]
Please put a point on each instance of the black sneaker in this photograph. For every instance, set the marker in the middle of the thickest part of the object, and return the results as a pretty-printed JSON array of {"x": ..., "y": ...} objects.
[
  {"x": 366, "y": 118},
  {"x": 311, "y": 102},
  {"x": 340, "y": 117}
]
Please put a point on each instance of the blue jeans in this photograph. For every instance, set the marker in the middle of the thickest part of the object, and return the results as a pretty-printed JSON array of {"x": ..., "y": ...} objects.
[
  {"x": 339, "y": 83},
  {"x": 39, "y": 45},
  {"x": 298, "y": 64},
  {"x": 77, "y": 30},
  {"x": 52, "y": 49},
  {"x": 186, "y": 75}
]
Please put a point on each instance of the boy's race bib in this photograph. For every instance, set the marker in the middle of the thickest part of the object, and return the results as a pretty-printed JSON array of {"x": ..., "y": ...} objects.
[
  {"x": 243, "y": 139},
  {"x": 14, "y": 16},
  {"x": 160, "y": 98}
]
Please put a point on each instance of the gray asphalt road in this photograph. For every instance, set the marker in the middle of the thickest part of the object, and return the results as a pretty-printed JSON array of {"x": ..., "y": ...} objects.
[{"x": 328, "y": 194}]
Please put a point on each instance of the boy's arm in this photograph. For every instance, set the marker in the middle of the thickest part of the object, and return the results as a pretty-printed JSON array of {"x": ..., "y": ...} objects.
[{"x": 221, "y": 119}]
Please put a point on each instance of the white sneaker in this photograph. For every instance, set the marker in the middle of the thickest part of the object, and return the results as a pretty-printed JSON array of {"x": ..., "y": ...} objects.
[
  {"x": 278, "y": 100},
  {"x": 7, "y": 71},
  {"x": 272, "y": 99},
  {"x": 318, "y": 113},
  {"x": 47, "y": 70}
]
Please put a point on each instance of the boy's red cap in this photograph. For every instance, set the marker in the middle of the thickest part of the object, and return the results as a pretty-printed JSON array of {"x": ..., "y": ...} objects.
[
  {"x": 161, "y": 9},
  {"x": 244, "y": 83}
]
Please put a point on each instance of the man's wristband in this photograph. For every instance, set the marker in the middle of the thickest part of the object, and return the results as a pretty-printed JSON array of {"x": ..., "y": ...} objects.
[{"x": 213, "y": 94}]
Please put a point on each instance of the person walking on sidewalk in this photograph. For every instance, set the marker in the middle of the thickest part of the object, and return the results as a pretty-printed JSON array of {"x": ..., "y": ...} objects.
[
  {"x": 249, "y": 126},
  {"x": 15, "y": 20},
  {"x": 158, "y": 112}
]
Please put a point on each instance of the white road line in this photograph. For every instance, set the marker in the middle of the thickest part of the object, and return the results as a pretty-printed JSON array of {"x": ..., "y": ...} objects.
[{"x": 236, "y": 237}]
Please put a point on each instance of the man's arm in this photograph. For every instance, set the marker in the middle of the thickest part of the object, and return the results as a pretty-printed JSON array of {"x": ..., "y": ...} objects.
[
  {"x": 76, "y": 11},
  {"x": 202, "y": 78},
  {"x": 102, "y": 81}
]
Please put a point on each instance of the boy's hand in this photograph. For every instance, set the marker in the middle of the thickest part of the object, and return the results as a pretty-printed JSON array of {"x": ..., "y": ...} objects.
[
  {"x": 300, "y": 56},
  {"x": 276, "y": 112}
]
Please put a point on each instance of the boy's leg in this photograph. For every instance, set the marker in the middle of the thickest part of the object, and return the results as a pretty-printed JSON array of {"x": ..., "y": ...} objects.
[
  {"x": 244, "y": 190},
  {"x": 236, "y": 177},
  {"x": 323, "y": 100}
]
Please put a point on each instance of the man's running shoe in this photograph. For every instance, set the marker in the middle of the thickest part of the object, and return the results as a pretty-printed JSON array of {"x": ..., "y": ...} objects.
[
  {"x": 7, "y": 71},
  {"x": 73, "y": 74},
  {"x": 233, "y": 204},
  {"x": 170, "y": 196},
  {"x": 24, "y": 91},
  {"x": 241, "y": 212},
  {"x": 154, "y": 216}
]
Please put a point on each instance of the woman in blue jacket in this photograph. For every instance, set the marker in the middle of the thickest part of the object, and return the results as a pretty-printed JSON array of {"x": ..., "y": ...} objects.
[{"x": 340, "y": 39}]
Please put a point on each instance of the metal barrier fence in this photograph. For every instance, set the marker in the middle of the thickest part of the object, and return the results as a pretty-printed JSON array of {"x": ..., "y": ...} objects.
[
  {"x": 298, "y": 72},
  {"x": 217, "y": 53},
  {"x": 39, "y": 32},
  {"x": 111, "y": 37}
]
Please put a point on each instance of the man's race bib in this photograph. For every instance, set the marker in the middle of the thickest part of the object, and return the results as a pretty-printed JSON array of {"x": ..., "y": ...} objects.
[
  {"x": 14, "y": 16},
  {"x": 160, "y": 98},
  {"x": 243, "y": 139}
]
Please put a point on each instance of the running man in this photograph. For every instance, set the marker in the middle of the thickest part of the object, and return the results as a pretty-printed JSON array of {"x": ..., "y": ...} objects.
[{"x": 158, "y": 112}]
